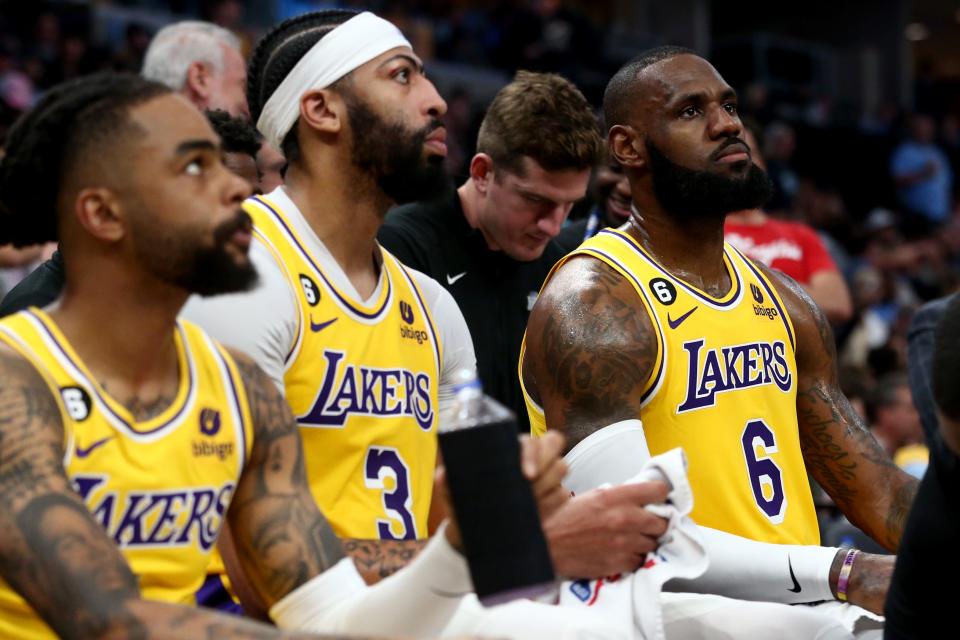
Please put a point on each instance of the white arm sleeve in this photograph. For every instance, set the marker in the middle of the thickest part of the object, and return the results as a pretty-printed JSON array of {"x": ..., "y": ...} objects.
[
  {"x": 739, "y": 567},
  {"x": 421, "y": 599},
  {"x": 261, "y": 322},
  {"x": 750, "y": 570},
  {"x": 454, "y": 334}
]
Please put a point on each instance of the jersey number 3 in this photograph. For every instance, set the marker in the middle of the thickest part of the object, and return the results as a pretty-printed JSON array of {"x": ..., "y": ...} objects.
[
  {"x": 385, "y": 470},
  {"x": 766, "y": 479}
]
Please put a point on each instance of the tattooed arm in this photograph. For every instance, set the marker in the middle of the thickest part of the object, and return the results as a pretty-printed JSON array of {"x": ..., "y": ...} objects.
[
  {"x": 838, "y": 448},
  {"x": 52, "y": 551},
  {"x": 377, "y": 559},
  {"x": 281, "y": 538},
  {"x": 590, "y": 349}
]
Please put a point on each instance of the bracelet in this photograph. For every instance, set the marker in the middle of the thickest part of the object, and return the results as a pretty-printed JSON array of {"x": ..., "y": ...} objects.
[{"x": 845, "y": 570}]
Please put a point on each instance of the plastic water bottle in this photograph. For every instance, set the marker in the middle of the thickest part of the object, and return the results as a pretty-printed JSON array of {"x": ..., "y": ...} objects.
[{"x": 494, "y": 504}]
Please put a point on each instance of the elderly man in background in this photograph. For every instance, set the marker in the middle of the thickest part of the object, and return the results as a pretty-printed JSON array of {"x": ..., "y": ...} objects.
[{"x": 203, "y": 62}]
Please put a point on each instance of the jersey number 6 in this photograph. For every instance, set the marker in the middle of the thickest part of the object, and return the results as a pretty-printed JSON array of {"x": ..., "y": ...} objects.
[
  {"x": 386, "y": 471},
  {"x": 763, "y": 471}
]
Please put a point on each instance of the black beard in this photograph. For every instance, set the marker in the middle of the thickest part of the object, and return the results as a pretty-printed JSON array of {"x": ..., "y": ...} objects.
[
  {"x": 206, "y": 271},
  {"x": 393, "y": 155},
  {"x": 694, "y": 195},
  {"x": 214, "y": 270}
]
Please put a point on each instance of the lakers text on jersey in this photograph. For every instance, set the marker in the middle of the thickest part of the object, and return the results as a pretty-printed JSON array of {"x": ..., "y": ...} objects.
[
  {"x": 723, "y": 387},
  {"x": 361, "y": 379},
  {"x": 159, "y": 487}
]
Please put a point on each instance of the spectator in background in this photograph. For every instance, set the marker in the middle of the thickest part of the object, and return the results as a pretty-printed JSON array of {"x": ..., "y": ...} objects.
[
  {"x": 241, "y": 143},
  {"x": 45, "y": 48},
  {"x": 793, "y": 248},
  {"x": 16, "y": 88},
  {"x": 923, "y": 177},
  {"x": 895, "y": 423},
  {"x": 135, "y": 43},
  {"x": 271, "y": 166},
  {"x": 781, "y": 142},
  {"x": 203, "y": 62},
  {"x": 612, "y": 205},
  {"x": 550, "y": 36}
]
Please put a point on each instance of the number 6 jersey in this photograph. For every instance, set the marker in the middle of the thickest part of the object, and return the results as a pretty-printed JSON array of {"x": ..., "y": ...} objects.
[{"x": 723, "y": 387}]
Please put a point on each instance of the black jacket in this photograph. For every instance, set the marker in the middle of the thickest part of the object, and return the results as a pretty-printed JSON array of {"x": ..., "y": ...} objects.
[{"x": 494, "y": 292}]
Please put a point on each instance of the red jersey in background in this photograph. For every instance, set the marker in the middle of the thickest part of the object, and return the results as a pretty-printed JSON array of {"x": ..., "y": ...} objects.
[{"x": 792, "y": 247}]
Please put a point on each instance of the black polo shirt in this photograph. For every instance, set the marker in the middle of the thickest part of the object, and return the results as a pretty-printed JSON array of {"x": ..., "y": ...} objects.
[
  {"x": 41, "y": 287},
  {"x": 494, "y": 292}
]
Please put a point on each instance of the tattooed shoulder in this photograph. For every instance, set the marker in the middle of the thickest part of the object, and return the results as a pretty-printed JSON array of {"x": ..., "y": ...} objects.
[
  {"x": 31, "y": 431},
  {"x": 271, "y": 413},
  {"x": 591, "y": 348},
  {"x": 273, "y": 507}
]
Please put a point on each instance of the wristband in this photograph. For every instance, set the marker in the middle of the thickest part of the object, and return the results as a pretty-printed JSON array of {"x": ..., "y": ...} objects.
[{"x": 845, "y": 570}]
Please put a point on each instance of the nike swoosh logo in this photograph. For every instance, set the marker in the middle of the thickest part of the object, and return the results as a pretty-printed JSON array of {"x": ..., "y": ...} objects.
[
  {"x": 796, "y": 585},
  {"x": 83, "y": 453},
  {"x": 318, "y": 327},
  {"x": 452, "y": 279},
  {"x": 676, "y": 323}
]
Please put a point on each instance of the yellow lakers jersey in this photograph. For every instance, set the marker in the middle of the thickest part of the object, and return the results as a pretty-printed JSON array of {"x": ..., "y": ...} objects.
[
  {"x": 362, "y": 382},
  {"x": 159, "y": 487},
  {"x": 723, "y": 387}
]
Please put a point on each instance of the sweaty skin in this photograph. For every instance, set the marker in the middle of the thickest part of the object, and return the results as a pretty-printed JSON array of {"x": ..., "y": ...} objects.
[{"x": 590, "y": 344}]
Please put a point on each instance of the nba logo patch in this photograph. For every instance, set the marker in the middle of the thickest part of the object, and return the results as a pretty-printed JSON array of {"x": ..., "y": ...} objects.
[
  {"x": 582, "y": 590},
  {"x": 77, "y": 402},
  {"x": 209, "y": 422},
  {"x": 406, "y": 312},
  {"x": 310, "y": 290},
  {"x": 757, "y": 294}
]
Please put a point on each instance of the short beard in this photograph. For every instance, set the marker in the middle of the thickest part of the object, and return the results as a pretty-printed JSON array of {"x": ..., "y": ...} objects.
[
  {"x": 393, "y": 155},
  {"x": 696, "y": 195},
  {"x": 205, "y": 271}
]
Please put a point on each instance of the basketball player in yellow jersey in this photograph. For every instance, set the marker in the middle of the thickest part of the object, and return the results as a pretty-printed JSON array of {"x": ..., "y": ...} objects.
[
  {"x": 356, "y": 342},
  {"x": 128, "y": 438},
  {"x": 363, "y": 348},
  {"x": 661, "y": 321}
]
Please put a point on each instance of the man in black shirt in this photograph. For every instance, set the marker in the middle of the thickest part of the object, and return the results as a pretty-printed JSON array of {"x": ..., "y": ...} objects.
[
  {"x": 922, "y": 593},
  {"x": 491, "y": 242}
]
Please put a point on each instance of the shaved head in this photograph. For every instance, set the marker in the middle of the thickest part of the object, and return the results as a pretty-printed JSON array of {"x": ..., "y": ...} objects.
[{"x": 622, "y": 90}]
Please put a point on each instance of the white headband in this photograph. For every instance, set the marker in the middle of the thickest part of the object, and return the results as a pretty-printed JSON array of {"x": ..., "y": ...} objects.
[{"x": 353, "y": 43}]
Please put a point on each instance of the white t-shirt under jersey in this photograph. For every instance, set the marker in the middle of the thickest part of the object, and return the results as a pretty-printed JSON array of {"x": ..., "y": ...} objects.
[{"x": 263, "y": 323}]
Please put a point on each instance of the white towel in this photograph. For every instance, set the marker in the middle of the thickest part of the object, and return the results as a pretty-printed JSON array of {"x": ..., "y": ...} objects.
[{"x": 634, "y": 599}]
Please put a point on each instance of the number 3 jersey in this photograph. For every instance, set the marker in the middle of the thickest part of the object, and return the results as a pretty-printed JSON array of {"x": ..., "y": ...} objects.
[
  {"x": 361, "y": 380},
  {"x": 160, "y": 487},
  {"x": 723, "y": 387}
]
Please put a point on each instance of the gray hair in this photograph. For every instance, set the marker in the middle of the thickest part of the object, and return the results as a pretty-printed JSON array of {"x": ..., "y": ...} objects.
[{"x": 177, "y": 46}]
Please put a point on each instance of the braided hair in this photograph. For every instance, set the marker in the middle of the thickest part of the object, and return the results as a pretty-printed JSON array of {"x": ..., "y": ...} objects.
[
  {"x": 51, "y": 140},
  {"x": 278, "y": 52}
]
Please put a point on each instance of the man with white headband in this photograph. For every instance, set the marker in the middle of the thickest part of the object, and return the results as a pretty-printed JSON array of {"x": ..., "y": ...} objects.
[{"x": 361, "y": 346}]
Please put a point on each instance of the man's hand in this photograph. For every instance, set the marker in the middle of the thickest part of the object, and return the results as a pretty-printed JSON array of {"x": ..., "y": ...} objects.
[
  {"x": 606, "y": 531},
  {"x": 869, "y": 579},
  {"x": 543, "y": 465}
]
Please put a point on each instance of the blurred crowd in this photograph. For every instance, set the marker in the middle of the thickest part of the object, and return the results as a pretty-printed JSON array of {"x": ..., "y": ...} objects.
[{"x": 879, "y": 191}]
